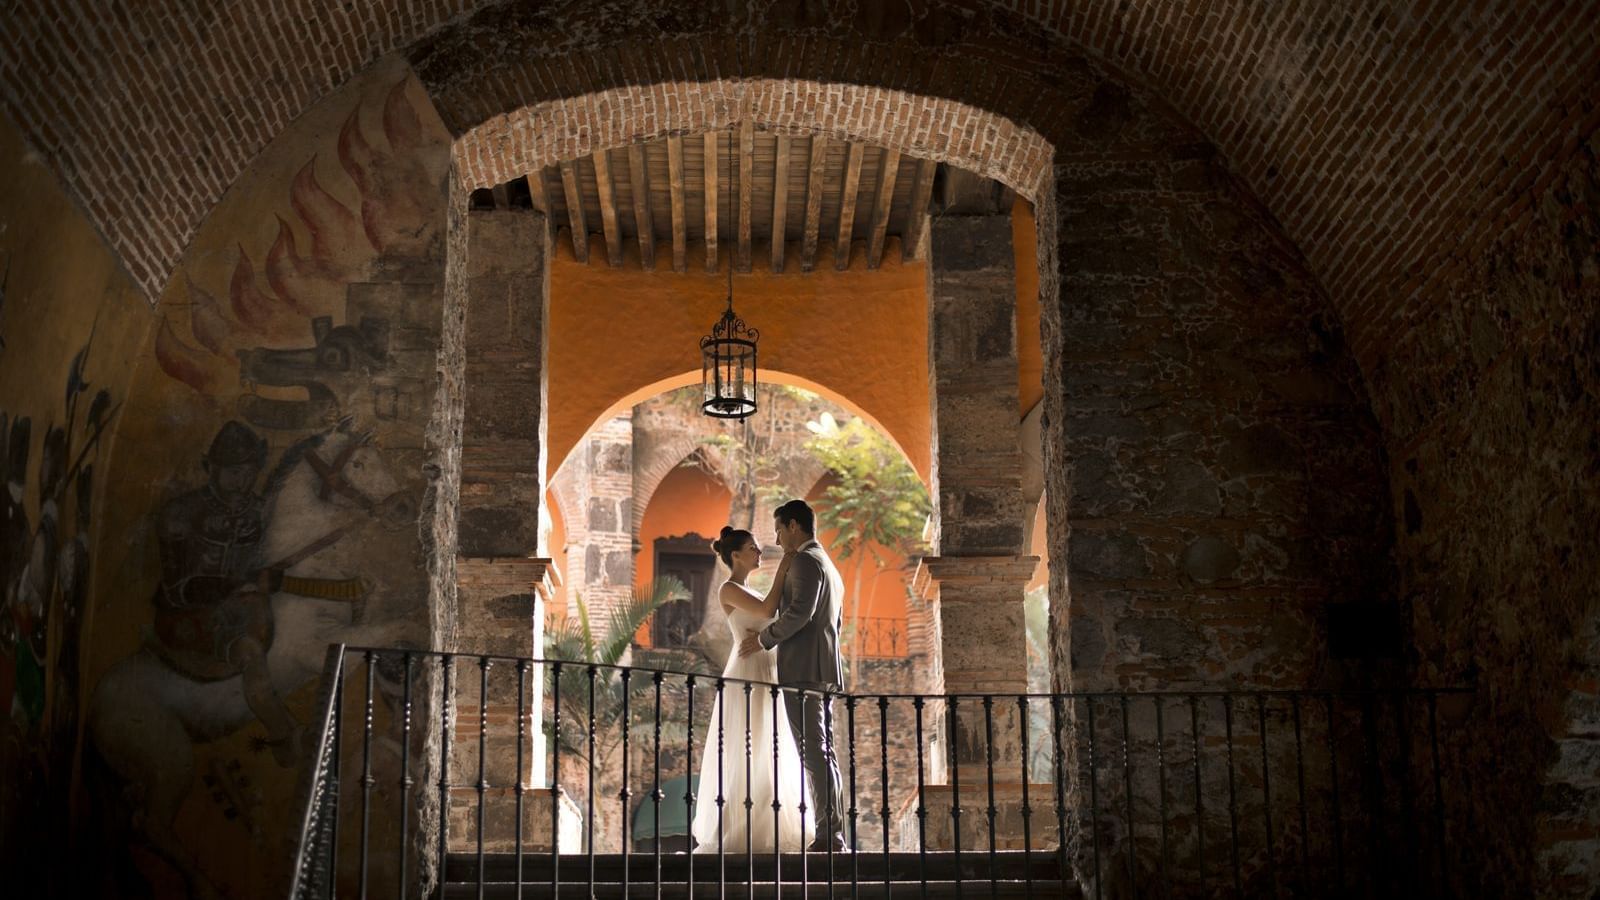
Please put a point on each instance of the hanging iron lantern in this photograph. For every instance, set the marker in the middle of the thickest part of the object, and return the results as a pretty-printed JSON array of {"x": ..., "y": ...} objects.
[{"x": 728, "y": 367}]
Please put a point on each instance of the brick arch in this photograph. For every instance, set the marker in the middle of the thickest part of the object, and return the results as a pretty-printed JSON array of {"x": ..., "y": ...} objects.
[
  {"x": 512, "y": 144},
  {"x": 196, "y": 103},
  {"x": 654, "y": 468}
]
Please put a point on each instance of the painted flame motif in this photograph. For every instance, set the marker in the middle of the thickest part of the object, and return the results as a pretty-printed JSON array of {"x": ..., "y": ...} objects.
[
  {"x": 181, "y": 361},
  {"x": 206, "y": 321},
  {"x": 333, "y": 227},
  {"x": 401, "y": 125},
  {"x": 397, "y": 193},
  {"x": 294, "y": 278},
  {"x": 250, "y": 306},
  {"x": 401, "y": 211}
]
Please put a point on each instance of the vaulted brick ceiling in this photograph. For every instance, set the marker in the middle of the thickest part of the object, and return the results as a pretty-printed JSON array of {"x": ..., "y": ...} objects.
[{"x": 1391, "y": 139}]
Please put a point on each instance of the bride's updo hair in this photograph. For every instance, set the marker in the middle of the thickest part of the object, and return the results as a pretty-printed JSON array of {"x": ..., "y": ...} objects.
[{"x": 731, "y": 542}]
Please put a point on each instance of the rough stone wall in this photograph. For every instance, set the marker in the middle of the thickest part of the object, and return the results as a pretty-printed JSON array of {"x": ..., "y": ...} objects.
[
  {"x": 1225, "y": 478},
  {"x": 1492, "y": 403},
  {"x": 595, "y": 487},
  {"x": 503, "y": 432}
]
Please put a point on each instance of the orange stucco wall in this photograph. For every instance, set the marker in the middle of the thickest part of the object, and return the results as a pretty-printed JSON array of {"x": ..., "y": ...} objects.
[
  {"x": 859, "y": 337},
  {"x": 687, "y": 500}
]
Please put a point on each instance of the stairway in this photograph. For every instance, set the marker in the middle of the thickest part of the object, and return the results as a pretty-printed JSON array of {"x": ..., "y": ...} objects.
[{"x": 870, "y": 875}]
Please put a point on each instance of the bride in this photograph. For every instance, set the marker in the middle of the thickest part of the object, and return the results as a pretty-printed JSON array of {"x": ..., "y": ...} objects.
[{"x": 747, "y": 613}]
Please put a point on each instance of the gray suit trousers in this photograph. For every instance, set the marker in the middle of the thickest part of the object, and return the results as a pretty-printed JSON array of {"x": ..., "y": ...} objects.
[{"x": 810, "y": 721}]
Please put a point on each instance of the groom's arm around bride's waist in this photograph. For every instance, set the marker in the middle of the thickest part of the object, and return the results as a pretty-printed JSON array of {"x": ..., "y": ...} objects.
[{"x": 801, "y": 596}]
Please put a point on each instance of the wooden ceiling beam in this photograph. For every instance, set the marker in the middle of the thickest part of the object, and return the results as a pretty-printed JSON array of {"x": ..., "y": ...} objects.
[
  {"x": 608, "y": 207},
  {"x": 747, "y": 159},
  {"x": 780, "y": 201},
  {"x": 539, "y": 191},
  {"x": 813, "y": 221},
  {"x": 712, "y": 199},
  {"x": 917, "y": 212},
  {"x": 847, "y": 207},
  {"x": 643, "y": 222},
  {"x": 574, "y": 197},
  {"x": 680, "y": 230},
  {"x": 883, "y": 202}
]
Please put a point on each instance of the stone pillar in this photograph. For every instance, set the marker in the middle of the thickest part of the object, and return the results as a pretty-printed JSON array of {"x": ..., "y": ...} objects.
[
  {"x": 502, "y": 580},
  {"x": 977, "y": 572}
]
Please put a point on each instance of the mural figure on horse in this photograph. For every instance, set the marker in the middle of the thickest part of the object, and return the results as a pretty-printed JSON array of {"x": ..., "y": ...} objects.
[
  {"x": 213, "y": 618},
  {"x": 253, "y": 589}
]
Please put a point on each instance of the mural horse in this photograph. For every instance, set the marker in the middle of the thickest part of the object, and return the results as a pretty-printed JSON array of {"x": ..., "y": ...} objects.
[{"x": 146, "y": 715}]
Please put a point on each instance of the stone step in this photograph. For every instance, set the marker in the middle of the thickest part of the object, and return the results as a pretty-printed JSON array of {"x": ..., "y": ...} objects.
[{"x": 862, "y": 867}]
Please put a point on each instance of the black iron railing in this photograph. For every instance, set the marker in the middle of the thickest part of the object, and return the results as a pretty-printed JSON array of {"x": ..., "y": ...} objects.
[{"x": 521, "y": 777}]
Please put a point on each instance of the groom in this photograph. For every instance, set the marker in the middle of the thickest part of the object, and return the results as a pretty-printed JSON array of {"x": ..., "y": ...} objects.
[{"x": 806, "y": 634}]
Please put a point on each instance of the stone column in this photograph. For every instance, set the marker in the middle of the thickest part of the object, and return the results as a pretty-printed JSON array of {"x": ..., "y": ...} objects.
[
  {"x": 977, "y": 572},
  {"x": 502, "y": 580}
]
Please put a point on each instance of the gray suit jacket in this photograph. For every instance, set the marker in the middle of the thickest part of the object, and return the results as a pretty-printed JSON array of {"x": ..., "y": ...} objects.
[{"x": 806, "y": 631}]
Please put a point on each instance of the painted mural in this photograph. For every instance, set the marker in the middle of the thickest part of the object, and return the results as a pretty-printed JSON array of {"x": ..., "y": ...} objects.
[
  {"x": 47, "y": 466},
  {"x": 268, "y": 479}
]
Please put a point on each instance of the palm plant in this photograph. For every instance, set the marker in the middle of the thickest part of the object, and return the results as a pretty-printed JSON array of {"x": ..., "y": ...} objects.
[{"x": 574, "y": 640}]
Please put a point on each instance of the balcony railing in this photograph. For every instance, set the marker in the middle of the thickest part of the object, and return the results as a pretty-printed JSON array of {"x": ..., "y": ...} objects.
[
  {"x": 456, "y": 775},
  {"x": 880, "y": 637}
]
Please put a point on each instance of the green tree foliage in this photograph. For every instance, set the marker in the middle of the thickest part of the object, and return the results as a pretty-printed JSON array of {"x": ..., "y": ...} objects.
[{"x": 875, "y": 501}]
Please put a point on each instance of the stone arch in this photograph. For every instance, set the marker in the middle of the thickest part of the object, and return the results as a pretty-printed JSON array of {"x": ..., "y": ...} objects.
[{"x": 651, "y": 468}]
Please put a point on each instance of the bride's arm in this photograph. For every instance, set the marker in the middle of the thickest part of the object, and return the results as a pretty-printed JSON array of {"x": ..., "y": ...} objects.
[{"x": 766, "y": 608}]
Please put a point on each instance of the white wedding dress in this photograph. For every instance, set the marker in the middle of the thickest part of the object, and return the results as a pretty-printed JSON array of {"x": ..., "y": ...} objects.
[{"x": 759, "y": 782}]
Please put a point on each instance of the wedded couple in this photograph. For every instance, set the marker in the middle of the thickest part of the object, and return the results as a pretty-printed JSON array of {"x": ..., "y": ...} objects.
[{"x": 789, "y": 637}]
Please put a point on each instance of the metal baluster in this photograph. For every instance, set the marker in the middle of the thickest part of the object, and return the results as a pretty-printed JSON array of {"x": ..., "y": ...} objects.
[
  {"x": 336, "y": 747},
  {"x": 588, "y": 820},
  {"x": 832, "y": 808},
  {"x": 483, "y": 784},
  {"x": 922, "y": 805},
  {"x": 656, "y": 795},
  {"x": 366, "y": 778},
  {"x": 1300, "y": 776},
  {"x": 1438, "y": 794},
  {"x": 1372, "y": 788},
  {"x": 625, "y": 795},
  {"x": 448, "y": 665},
  {"x": 522, "y": 767},
  {"x": 1266, "y": 790},
  {"x": 1094, "y": 799},
  {"x": 855, "y": 833},
  {"x": 1127, "y": 787},
  {"x": 883, "y": 812},
  {"x": 1199, "y": 793},
  {"x": 1161, "y": 789},
  {"x": 406, "y": 781},
  {"x": 992, "y": 811},
  {"x": 1333, "y": 779},
  {"x": 1407, "y": 825},
  {"x": 777, "y": 804},
  {"x": 1061, "y": 783},
  {"x": 955, "y": 790},
  {"x": 722, "y": 800},
  {"x": 1027, "y": 807},
  {"x": 688, "y": 782},
  {"x": 749, "y": 804},
  {"x": 1233, "y": 800},
  {"x": 555, "y": 781}
]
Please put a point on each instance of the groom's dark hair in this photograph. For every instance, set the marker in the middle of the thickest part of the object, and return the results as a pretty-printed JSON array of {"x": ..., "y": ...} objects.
[{"x": 797, "y": 511}]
